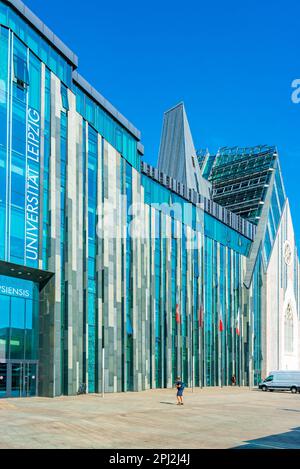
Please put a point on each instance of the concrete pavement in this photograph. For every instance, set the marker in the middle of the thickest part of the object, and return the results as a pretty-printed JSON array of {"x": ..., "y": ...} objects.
[{"x": 210, "y": 418}]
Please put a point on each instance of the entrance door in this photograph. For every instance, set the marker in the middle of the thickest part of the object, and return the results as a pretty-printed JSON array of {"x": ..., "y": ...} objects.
[
  {"x": 3, "y": 380},
  {"x": 30, "y": 379},
  {"x": 23, "y": 379},
  {"x": 15, "y": 380},
  {"x": 18, "y": 379}
]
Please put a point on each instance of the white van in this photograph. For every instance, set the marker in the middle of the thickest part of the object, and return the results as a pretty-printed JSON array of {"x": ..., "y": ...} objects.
[{"x": 284, "y": 380}]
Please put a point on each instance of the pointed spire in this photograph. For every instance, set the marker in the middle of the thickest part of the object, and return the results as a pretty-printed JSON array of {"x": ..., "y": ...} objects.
[{"x": 177, "y": 154}]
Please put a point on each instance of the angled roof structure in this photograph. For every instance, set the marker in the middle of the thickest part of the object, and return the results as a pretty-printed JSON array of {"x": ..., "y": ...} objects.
[
  {"x": 248, "y": 182},
  {"x": 177, "y": 154},
  {"x": 240, "y": 178}
]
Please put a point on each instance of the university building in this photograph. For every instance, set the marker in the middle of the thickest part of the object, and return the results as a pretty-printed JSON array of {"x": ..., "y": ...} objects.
[{"x": 120, "y": 275}]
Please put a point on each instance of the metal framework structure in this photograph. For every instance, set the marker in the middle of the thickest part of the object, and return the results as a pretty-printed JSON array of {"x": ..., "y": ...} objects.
[
  {"x": 240, "y": 178},
  {"x": 202, "y": 155}
]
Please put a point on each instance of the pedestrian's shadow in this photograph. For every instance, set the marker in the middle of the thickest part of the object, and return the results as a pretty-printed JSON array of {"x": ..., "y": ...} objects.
[{"x": 170, "y": 403}]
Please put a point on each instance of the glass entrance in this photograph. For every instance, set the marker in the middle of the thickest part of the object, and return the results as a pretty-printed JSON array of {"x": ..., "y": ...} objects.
[
  {"x": 18, "y": 379},
  {"x": 3, "y": 379},
  {"x": 18, "y": 337}
]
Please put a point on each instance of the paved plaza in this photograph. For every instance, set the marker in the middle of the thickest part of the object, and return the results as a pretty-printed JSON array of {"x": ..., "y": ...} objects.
[{"x": 211, "y": 418}]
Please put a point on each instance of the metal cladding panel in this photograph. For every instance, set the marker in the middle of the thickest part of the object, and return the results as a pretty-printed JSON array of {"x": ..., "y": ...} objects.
[{"x": 177, "y": 154}]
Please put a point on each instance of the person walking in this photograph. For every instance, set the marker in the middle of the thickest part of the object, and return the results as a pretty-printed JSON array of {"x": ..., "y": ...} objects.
[{"x": 180, "y": 387}]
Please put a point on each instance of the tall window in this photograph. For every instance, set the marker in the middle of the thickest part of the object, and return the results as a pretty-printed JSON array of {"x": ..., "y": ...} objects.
[
  {"x": 21, "y": 76},
  {"x": 288, "y": 330}
]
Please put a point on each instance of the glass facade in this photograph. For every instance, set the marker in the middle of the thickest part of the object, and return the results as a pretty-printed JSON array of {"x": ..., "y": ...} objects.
[
  {"x": 19, "y": 329},
  {"x": 210, "y": 279},
  {"x": 38, "y": 45},
  {"x": 92, "y": 250},
  {"x": 169, "y": 301},
  {"x": 117, "y": 136},
  {"x": 18, "y": 319},
  {"x": 277, "y": 205},
  {"x": 240, "y": 178},
  {"x": 20, "y": 151},
  {"x": 127, "y": 170}
]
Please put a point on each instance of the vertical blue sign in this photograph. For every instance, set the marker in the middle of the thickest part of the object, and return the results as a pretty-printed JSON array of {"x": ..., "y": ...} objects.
[{"x": 32, "y": 187}]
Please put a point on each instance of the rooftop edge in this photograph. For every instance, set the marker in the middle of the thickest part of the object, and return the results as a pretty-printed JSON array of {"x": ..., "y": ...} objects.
[
  {"x": 105, "y": 104},
  {"x": 30, "y": 17},
  {"x": 44, "y": 30}
]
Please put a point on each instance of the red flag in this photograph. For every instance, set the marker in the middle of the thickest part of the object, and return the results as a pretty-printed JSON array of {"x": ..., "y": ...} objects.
[
  {"x": 221, "y": 325},
  {"x": 177, "y": 317},
  {"x": 237, "y": 328},
  {"x": 201, "y": 316}
]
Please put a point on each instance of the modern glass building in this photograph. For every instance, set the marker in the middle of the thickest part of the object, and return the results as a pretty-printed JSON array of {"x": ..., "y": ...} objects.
[
  {"x": 117, "y": 274},
  {"x": 248, "y": 181}
]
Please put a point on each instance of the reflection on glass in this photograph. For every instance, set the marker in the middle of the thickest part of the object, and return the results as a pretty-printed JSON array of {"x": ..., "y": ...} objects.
[
  {"x": 17, "y": 313},
  {"x": 18, "y": 319},
  {"x": 16, "y": 380},
  {"x": 17, "y": 338},
  {"x": 3, "y": 379},
  {"x": 31, "y": 379},
  {"x": 4, "y": 325}
]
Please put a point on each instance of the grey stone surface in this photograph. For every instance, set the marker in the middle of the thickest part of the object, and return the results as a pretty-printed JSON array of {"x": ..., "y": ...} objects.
[
  {"x": 210, "y": 418},
  {"x": 177, "y": 154}
]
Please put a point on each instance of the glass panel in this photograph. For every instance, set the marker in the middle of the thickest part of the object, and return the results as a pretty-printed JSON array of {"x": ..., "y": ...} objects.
[
  {"x": 16, "y": 380},
  {"x": 64, "y": 97},
  {"x": 267, "y": 245},
  {"x": 36, "y": 43},
  {"x": 280, "y": 187},
  {"x": 4, "y": 326},
  {"x": 17, "y": 328},
  {"x": 114, "y": 133},
  {"x": 31, "y": 379},
  {"x": 269, "y": 378},
  {"x": 3, "y": 379},
  {"x": 275, "y": 208},
  {"x": 21, "y": 70}
]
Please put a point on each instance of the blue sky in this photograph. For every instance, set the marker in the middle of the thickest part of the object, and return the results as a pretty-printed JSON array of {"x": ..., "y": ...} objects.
[{"x": 231, "y": 62}]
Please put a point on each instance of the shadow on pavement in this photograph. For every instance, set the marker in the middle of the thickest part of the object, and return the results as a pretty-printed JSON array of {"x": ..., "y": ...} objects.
[
  {"x": 170, "y": 403},
  {"x": 291, "y": 410},
  {"x": 287, "y": 440}
]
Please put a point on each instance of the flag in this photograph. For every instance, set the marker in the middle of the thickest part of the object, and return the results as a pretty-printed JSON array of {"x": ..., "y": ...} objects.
[
  {"x": 201, "y": 316},
  {"x": 221, "y": 327},
  {"x": 237, "y": 325},
  {"x": 177, "y": 316}
]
